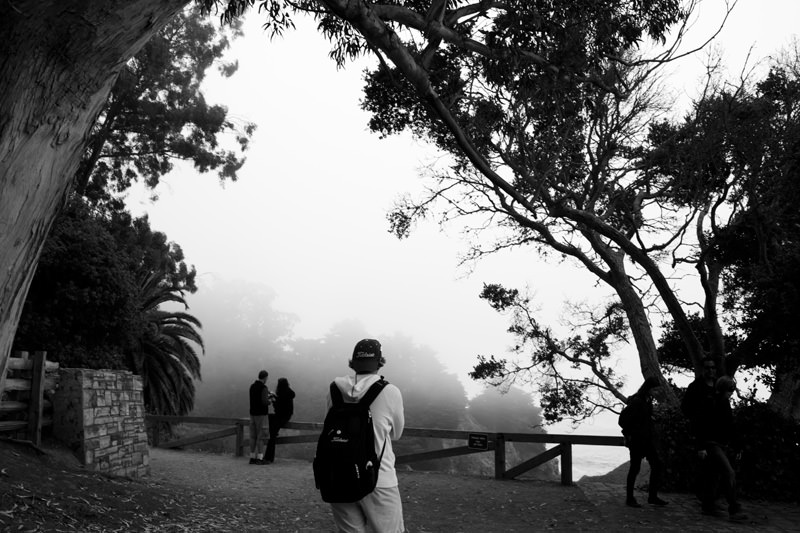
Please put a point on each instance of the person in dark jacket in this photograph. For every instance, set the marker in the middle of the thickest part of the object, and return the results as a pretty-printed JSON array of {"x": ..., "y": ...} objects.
[
  {"x": 283, "y": 405},
  {"x": 259, "y": 409},
  {"x": 699, "y": 397},
  {"x": 640, "y": 438},
  {"x": 713, "y": 439}
]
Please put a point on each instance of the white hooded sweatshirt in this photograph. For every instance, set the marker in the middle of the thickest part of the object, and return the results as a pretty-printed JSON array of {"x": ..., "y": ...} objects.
[{"x": 388, "y": 419}]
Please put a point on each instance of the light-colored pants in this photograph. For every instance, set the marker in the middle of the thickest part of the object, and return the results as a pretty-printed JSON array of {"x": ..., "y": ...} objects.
[
  {"x": 259, "y": 427},
  {"x": 380, "y": 511}
]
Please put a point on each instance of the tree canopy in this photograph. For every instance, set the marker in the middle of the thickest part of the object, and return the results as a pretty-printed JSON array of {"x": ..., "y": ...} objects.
[
  {"x": 94, "y": 303},
  {"x": 738, "y": 152},
  {"x": 157, "y": 114},
  {"x": 532, "y": 100},
  {"x": 545, "y": 109}
]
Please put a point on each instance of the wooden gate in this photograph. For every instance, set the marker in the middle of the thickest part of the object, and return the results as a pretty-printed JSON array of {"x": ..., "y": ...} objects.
[{"x": 23, "y": 407}]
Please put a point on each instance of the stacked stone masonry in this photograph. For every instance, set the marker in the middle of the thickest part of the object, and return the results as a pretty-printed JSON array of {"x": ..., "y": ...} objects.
[{"x": 100, "y": 415}]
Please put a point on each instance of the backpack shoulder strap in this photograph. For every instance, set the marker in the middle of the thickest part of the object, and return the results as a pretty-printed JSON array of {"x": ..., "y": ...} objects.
[
  {"x": 336, "y": 395},
  {"x": 373, "y": 392}
]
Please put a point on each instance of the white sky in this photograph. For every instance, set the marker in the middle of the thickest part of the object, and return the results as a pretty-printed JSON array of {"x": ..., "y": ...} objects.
[{"x": 307, "y": 216}]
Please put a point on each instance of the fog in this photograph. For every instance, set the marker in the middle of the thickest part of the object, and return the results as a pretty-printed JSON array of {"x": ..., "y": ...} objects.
[{"x": 244, "y": 333}]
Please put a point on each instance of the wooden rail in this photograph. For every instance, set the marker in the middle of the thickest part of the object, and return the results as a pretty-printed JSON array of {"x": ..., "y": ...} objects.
[
  {"x": 29, "y": 384},
  {"x": 475, "y": 442}
]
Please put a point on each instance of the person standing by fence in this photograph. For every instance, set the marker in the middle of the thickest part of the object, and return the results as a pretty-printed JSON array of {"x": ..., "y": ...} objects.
[
  {"x": 283, "y": 405},
  {"x": 259, "y": 411},
  {"x": 636, "y": 420}
]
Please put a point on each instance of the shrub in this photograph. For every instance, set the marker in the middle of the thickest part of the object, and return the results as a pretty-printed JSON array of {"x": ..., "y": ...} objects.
[{"x": 765, "y": 452}]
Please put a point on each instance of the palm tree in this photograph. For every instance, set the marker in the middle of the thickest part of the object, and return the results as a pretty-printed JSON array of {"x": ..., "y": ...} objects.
[{"x": 165, "y": 355}]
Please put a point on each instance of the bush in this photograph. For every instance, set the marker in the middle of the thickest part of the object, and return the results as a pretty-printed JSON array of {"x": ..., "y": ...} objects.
[
  {"x": 770, "y": 454},
  {"x": 766, "y": 444},
  {"x": 677, "y": 450}
]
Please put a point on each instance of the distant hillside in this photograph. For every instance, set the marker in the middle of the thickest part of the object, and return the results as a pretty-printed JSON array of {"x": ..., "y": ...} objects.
[{"x": 619, "y": 474}]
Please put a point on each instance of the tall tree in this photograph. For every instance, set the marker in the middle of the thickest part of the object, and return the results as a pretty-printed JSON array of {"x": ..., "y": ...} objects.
[
  {"x": 538, "y": 103},
  {"x": 60, "y": 60}
]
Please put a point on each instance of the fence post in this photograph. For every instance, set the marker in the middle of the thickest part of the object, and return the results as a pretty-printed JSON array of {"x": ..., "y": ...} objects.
[
  {"x": 566, "y": 463},
  {"x": 37, "y": 398},
  {"x": 499, "y": 455},
  {"x": 239, "y": 439}
]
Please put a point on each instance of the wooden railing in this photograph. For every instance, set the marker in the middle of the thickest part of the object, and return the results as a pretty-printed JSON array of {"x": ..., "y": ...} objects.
[
  {"x": 474, "y": 442},
  {"x": 24, "y": 385}
]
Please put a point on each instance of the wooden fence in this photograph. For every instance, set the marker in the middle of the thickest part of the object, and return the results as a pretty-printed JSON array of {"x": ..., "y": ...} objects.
[
  {"x": 473, "y": 442},
  {"x": 22, "y": 404}
]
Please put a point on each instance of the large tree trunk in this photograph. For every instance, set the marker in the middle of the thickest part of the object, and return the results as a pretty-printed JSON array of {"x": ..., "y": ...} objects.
[
  {"x": 58, "y": 61},
  {"x": 640, "y": 326},
  {"x": 785, "y": 398}
]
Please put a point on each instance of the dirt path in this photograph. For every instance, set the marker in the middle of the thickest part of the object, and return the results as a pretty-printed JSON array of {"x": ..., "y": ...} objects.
[
  {"x": 283, "y": 495},
  {"x": 281, "y": 498},
  {"x": 190, "y": 492}
]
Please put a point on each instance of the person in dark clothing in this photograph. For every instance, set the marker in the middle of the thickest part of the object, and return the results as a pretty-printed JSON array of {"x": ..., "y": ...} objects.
[
  {"x": 259, "y": 409},
  {"x": 640, "y": 438},
  {"x": 697, "y": 406},
  {"x": 283, "y": 405},
  {"x": 707, "y": 406},
  {"x": 699, "y": 397},
  {"x": 713, "y": 439}
]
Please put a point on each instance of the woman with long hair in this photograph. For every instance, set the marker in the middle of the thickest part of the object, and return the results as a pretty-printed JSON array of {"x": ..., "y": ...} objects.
[{"x": 283, "y": 407}]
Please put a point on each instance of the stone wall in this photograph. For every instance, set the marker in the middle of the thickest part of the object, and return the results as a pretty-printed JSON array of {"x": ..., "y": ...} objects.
[{"x": 100, "y": 415}]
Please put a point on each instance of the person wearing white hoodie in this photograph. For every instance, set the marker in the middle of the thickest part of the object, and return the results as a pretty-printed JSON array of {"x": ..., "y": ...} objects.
[{"x": 381, "y": 511}]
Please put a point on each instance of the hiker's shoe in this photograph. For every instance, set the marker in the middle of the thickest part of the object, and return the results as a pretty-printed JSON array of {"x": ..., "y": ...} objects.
[
  {"x": 253, "y": 461},
  {"x": 631, "y": 502},
  {"x": 265, "y": 462},
  {"x": 655, "y": 500}
]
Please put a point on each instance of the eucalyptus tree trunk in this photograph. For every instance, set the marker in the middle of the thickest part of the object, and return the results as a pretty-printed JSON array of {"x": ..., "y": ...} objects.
[
  {"x": 785, "y": 397},
  {"x": 58, "y": 62}
]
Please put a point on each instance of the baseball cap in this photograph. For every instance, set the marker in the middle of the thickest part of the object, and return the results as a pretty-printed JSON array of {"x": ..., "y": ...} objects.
[{"x": 367, "y": 356}]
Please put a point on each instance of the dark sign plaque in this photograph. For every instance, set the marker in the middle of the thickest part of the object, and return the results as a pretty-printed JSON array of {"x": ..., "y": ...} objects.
[{"x": 478, "y": 441}]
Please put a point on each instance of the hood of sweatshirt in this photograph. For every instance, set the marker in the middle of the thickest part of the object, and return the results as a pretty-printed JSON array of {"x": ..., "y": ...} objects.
[{"x": 354, "y": 386}]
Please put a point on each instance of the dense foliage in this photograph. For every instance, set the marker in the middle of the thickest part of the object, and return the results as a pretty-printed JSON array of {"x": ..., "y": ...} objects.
[
  {"x": 739, "y": 151},
  {"x": 164, "y": 353},
  {"x": 156, "y": 114},
  {"x": 94, "y": 303},
  {"x": 764, "y": 452},
  {"x": 81, "y": 307}
]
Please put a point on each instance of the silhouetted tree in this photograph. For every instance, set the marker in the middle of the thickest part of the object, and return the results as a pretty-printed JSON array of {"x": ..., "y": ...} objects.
[
  {"x": 164, "y": 352},
  {"x": 736, "y": 155},
  {"x": 156, "y": 114}
]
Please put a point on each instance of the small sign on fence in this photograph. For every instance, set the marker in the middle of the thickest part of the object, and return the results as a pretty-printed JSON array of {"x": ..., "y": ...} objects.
[{"x": 478, "y": 441}]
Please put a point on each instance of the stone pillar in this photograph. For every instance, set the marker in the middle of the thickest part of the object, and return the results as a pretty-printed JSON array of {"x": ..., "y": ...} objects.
[{"x": 100, "y": 415}]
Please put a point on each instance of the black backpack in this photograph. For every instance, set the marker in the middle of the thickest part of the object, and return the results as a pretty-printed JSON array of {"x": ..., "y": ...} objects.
[
  {"x": 626, "y": 417},
  {"x": 346, "y": 465}
]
